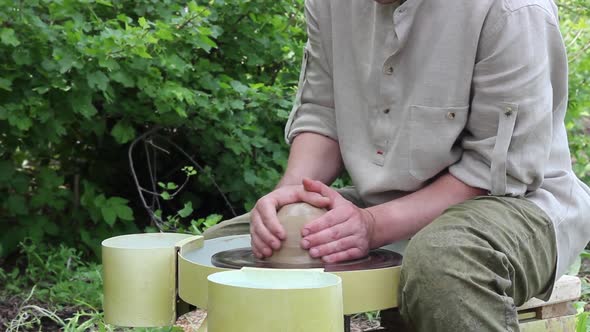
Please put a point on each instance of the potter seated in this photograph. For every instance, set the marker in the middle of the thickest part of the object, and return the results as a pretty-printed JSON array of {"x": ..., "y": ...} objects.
[{"x": 448, "y": 116}]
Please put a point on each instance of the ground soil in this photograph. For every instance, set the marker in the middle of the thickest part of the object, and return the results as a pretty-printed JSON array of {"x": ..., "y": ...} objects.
[
  {"x": 191, "y": 322},
  {"x": 11, "y": 306},
  {"x": 9, "y": 309}
]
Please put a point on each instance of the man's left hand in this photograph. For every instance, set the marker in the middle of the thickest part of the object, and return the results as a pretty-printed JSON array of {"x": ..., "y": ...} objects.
[{"x": 343, "y": 233}]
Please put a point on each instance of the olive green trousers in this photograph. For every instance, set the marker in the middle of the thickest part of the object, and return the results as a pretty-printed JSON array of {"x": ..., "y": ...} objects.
[{"x": 470, "y": 268}]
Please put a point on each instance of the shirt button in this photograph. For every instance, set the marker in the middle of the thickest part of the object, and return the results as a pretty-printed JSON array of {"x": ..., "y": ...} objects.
[
  {"x": 388, "y": 70},
  {"x": 451, "y": 115},
  {"x": 386, "y": 111}
]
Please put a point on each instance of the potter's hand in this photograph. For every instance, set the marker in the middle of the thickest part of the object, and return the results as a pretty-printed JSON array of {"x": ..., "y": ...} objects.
[
  {"x": 343, "y": 233},
  {"x": 265, "y": 229}
]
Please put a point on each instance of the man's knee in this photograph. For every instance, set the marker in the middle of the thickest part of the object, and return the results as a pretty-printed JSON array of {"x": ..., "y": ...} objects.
[
  {"x": 448, "y": 268},
  {"x": 452, "y": 253},
  {"x": 433, "y": 258}
]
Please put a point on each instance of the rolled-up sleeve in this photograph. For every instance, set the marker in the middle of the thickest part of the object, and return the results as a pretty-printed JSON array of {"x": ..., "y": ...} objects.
[
  {"x": 508, "y": 136},
  {"x": 313, "y": 110}
]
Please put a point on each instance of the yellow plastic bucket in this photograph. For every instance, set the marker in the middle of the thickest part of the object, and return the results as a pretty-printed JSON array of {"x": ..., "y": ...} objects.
[
  {"x": 139, "y": 279},
  {"x": 270, "y": 300}
]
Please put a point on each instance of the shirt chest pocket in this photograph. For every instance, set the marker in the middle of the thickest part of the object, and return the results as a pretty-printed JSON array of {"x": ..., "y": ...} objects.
[{"x": 433, "y": 139}]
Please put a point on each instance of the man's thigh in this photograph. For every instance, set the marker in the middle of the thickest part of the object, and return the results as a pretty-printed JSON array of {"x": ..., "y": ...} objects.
[
  {"x": 471, "y": 267},
  {"x": 509, "y": 232}
]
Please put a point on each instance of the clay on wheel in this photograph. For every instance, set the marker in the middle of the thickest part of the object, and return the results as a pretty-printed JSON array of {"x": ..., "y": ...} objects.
[{"x": 293, "y": 217}]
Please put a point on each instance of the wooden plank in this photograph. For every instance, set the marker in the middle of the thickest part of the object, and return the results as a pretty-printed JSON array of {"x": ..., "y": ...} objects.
[
  {"x": 567, "y": 288},
  {"x": 555, "y": 310},
  {"x": 391, "y": 319},
  {"x": 526, "y": 315},
  {"x": 559, "y": 324}
]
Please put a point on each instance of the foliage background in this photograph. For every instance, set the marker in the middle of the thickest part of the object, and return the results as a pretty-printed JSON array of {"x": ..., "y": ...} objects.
[{"x": 81, "y": 80}]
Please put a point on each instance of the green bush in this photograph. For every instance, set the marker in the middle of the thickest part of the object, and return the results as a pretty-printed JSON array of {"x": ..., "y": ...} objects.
[
  {"x": 575, "y": 25},
  {"x": 80, "y": 80}
]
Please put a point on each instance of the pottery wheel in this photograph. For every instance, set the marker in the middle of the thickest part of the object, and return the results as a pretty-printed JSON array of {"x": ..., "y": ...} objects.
[{"x": 243, "y": 257}]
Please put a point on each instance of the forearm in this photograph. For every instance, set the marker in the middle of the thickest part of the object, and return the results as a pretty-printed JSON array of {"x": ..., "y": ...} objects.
[
  {"x": 312, "y": 156},
  {"x": 404, "y": 217}
]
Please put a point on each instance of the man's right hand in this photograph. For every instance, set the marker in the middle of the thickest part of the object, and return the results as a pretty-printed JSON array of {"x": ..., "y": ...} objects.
[{"x": 265, "y": 229}]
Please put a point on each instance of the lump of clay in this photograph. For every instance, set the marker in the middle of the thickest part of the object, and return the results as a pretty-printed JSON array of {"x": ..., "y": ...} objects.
[{"x": 293, "y": 217}]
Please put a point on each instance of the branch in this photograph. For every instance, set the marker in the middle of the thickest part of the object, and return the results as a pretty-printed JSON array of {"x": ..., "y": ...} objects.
[
  {"x": 579, "y": 53},
  {"x": 157, "y": 220},
  {"x": 571, "y": 43},
  {"x": 145, "y": 137},
  {"x": 201, "y": 169}
]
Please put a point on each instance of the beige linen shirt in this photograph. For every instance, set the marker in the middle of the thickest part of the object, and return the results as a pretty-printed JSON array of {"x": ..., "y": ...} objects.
[{"x": 475, "y": 87}]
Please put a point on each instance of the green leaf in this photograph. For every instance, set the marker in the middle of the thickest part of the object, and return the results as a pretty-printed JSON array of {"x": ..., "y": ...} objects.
[
  {"x": 104, "y": 3},
  {"x": 163, "y": 31},
  {"x": 65, "y": 60},
  {"x": 171, "y": 186},
  {"x": 250, "y": 177},
  {"x": 239, "y": 87},
  {"x": 123, "y": 78},
  {"x": 124, "y": 212},
  {"x": 205, "y": 43},
  {"x": 189, "y": 170},
  {"x": 20, "y": 183},
  {"x": 5, "y": 84},
  {"x": 585, "y": 254},
  {"x": 142, "y": 52},
  {"x": 17, "y": 205},
  {"x": 100, "y": 200},
  {"x": 165, "y": 196},
  {"x": 98, "y": 80},
  {"x": 22, "y": 122},
  {"x": 8, "y": 37},
  {"x": 112, "y": 65},
  {"x": 51, "y": 228},
  {"x": 212, "y": 220},
  {"x": 109, "y": 214},
  {"x": 82, "y": 104},
  {"x": 117, "y": 201},
  {"x": 6, "y": 171},
  {"x": 237, "y": 104},
  {"x": 123, "y": 132},
  {"x": 143, "y": 23},
  {"x": 193, "y": 7},
  {"x": 41, "y": 89},
  {"x": 194, "y": 229},
  {"x": 186, "y": 210},
  {"x": 22, "y": 57}
]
